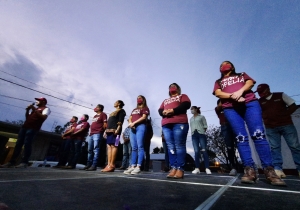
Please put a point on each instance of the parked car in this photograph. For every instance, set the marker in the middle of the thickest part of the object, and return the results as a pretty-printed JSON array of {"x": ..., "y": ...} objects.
[{"x": 37, "y": 163}]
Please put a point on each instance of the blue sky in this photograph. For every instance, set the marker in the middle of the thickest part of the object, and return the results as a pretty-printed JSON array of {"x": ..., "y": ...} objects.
[{"x": 101, "y": 51}]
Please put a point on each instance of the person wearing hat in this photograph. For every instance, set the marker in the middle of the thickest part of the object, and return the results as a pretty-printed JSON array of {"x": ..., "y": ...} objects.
[
  {"x": 35, "y": 117},
  {"x": 276, "y": 112}
]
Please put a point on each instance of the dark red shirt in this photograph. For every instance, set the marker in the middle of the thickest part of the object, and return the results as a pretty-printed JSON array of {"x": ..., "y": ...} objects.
[
  {"x": 83, "y": 125},
  {"x": 138, "y": 113},
  {"x": 172, "y": 103},
  {"x": 230, "y": 84},
  {"x": 70, "y": 127},
  {"x": 98, "y": 122},
  {"x": 33, "y": 121},
  {"x": 221, "y": 116}
]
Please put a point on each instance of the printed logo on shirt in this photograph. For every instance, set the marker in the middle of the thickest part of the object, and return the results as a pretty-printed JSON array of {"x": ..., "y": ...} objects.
[
  {"x": 231, "y": 80},
  {"x": 95, "y": 119},
  {"x": 173, "y": 99},
  {"x": 79, "y": 126},
  {"x": 137, "y": 111}
]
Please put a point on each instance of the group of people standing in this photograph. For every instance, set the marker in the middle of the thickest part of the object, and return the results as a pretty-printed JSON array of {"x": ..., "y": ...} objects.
[{"x": 237, "y": 108}]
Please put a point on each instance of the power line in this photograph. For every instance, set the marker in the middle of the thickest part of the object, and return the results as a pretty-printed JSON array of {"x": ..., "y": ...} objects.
[
  {"x": 31, "y": 101},
  {"x": 44, "y": 93},
  {"x": 39, "y": 85}
]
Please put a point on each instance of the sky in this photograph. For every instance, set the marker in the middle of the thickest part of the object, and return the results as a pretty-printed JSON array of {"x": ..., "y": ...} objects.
[{"x": 97, "y": 51}]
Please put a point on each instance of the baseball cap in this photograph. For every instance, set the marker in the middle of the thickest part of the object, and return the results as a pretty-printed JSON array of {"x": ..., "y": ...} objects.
[
  {"x": 261, "y": 88},
  {"x": 41, "y": 99}
]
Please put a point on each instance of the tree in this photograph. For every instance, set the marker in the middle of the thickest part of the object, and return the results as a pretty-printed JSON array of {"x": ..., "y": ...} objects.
[
  {"x": 60, "y": 129},
  {"x": 17, "y": 122},
  {"x": 216, "y": 144}
]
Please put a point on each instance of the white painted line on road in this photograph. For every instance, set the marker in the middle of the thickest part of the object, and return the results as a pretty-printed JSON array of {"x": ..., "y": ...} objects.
[
  {"x": 265, "y": 189},
  {"x": 207, "y": 204}
]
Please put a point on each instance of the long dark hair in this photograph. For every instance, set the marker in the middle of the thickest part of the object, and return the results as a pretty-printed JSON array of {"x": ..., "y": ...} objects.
[
  {"x": 232, "y": 71},
  {"x": 196, "y": 108},
  {"x": 178, "y": 88},
  {"x": 144, "y": 101}
]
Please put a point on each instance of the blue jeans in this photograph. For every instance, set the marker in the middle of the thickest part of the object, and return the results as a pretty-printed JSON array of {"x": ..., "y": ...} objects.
[
  {"x": 175, "y": 136},
  {"x": 64, "y": 152},
  {"x": 94, "y": 143},
  {"x": 25, "y": 137},
  {"x": 126, "y": 155},
  {"x": 137, "y": 143},
  {"x": 227, "y": 133},
  {"x": 166, "y": 154},
  {"x": 249, "y": 113},
  {"x": 200, "y": 139},
  {"x": 290, "y": 135},
  {"x": 75, "y": 152}
]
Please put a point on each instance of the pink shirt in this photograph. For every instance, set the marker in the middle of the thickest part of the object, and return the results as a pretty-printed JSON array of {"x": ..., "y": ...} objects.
[
  {"x": 230, "y": 84},
  {"x": 172, "y": 103}
]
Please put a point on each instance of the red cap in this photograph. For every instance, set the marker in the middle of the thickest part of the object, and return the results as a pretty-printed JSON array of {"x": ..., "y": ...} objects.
[
  {"x": 41, "y": 99},
  {"x": 261, "y": 88}
]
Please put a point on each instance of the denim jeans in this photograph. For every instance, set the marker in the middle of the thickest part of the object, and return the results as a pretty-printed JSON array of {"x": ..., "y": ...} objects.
[
  {"x": 230, "y": 141},
  {"x": 75, "y": 152},
  {"x": 25, "y": 137},
  {"x": 94, "y": 143},
  {"x": 249, "y": 113},
  {"x": 175, "y": 136},
  {"x": 64, "y": 152},
  {"x": 200, "y": 145},
  {"x": 137, "y": 143},
  {"x": 126, "y": 161},
  {"x": 166, "y": 154},
  {"x": 290, "y": 135}
]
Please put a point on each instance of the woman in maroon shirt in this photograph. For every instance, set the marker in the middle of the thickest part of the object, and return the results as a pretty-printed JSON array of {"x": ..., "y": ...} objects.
[
  {"x": 175, "y": 127},
  {"x": 137, "y": 123},
  {"x": 241, "y": 106}
]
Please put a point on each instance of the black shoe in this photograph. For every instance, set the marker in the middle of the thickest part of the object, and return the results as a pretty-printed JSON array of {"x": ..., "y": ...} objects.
[
  {"x": 85, "y": 168},
  {"x": 69, "y": 167},
  {"x": 92, "y": 168},
  {"x": 122, "y": 168}
]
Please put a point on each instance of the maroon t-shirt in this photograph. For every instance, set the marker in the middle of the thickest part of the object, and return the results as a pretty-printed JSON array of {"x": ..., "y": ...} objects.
[
  {"x": 221, "y": 116},
  {"x": 73, "y": 125},
  {"x": 33, "y": 121},
  {"x": 81, "y": 135},
  {"x": 230, "y": 84},
  {"x": 172, "y": 103},
  {"x": 138, "y": 113},
  {"x": 98, "y": 122}
]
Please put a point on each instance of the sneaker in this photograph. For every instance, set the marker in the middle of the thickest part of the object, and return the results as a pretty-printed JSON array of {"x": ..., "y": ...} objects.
[
  {"x": 249, "y": 175},
  {"x": 22, "y": 165},
  {"x": 196, "y": 171},
  {"x": 129, "y": 170},
  {"x": 280, "y": 173},
  {"x": 7, "y": 165},
  {"x": 233, "y": 172},
  {"x": 272, "y": 177},
  {"x": 207, "y": 170},
  {"x": 136, "y": 170}
]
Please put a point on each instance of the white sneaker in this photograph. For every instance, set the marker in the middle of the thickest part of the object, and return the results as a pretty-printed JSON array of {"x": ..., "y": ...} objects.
[
  {"x": 136, "y": 170},
  {"x": 207, "y": 171},
  {"x": 280, "y": 173},
  {"x": 22, "y": 165},
  {"x": 233, "y": 172},
  {"x": 7, "y": 165},
  {"x": 129, "y": 170},
  {"x": 196, "y": 171}
]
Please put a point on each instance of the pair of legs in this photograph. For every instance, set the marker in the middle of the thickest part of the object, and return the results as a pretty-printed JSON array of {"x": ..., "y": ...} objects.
[
  {"x": 249, "y": 113},
  {"x": 76, "y": 145},
  {"x": 112, "y": 151},
  {"x": 94, "y": 144},
  {"x": 200, "y": 145},
  {"x": 227, "y": 133},
  {"x": 167, "y": 165},
  {"x": 25, "y": 137},
  {"x": 137, "y": 143},
  {"x": 64, "y": 152},
  {"x": 290, "y": 135},
  {"x": 175, "y": 136},
  {"x": 126, "y": 161}
]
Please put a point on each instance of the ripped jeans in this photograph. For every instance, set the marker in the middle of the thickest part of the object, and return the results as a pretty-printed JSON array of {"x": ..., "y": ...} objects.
[{"x": 249, "y": 113}]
